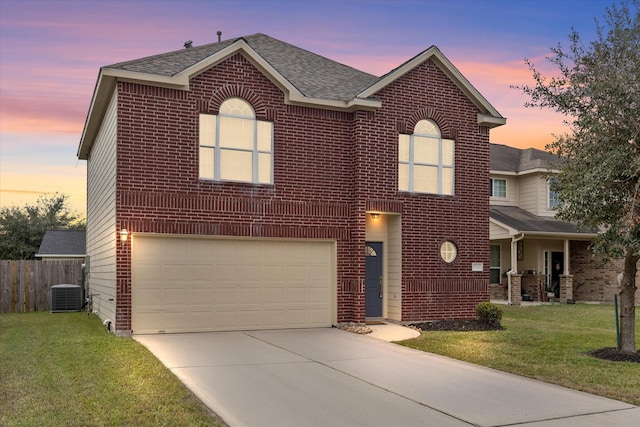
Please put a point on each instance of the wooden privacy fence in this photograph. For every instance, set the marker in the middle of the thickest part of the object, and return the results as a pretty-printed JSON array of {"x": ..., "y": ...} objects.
[{"x": 25, "y": 285}]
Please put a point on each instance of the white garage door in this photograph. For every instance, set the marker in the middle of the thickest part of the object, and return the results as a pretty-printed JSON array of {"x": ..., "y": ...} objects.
[{"x": 197, "y": 284}]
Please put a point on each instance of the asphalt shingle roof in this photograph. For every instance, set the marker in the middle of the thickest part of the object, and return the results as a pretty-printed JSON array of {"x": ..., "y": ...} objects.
[
  {"x": 511, "y": 159},
  {"x": 313, "y": 75},
  {"x": 63, "y": 242},
  {"x": 524, "y": 221}
]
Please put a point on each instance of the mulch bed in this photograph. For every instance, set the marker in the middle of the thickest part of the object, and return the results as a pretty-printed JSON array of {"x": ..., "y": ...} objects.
[
  {"x": 610, "y": 353},
  {"x": 456, "y": 325}
]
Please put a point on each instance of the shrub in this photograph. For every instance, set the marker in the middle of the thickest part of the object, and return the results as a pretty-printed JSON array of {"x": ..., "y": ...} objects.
[{"x": 489, "y": 313}]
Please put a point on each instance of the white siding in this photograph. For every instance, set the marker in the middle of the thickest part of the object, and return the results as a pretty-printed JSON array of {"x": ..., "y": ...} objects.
[
  {"x": 101, "y": 215},
  {"x": 534, "y": 194},
  {"x": 529, "y": 193},
  {"x": 512, "y": 191},
  {"x": 497, "y": 232}
]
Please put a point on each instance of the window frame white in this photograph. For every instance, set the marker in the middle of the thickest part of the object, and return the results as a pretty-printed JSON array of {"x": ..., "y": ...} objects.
[
  {"x": 410, "y": 163},
  {"x": 493, "y": 185},
  {"x": 218, "y": 147},
  {"x": 448, "y": 251},
  {"x": 553, "y": 198}
]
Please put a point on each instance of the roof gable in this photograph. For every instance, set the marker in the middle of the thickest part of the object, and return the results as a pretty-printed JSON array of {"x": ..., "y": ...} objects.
[
  {"x": 293, "y": 69},
  {"x": 61, "y": 243},
  {"x": 304, "y": 77},
  {"x": 487, "y": 116}
]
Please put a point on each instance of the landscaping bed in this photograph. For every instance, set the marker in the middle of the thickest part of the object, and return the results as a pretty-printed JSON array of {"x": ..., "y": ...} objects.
[{"x": 456, "y": 325}]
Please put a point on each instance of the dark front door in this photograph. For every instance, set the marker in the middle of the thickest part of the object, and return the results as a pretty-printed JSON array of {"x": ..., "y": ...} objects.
[
  {"x": 373, "y": 280},
  {"x": 557, "y": 269}
]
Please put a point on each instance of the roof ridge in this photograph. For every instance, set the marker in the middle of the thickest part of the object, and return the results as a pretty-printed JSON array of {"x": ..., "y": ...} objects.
[{"x": 172, "y": 52}]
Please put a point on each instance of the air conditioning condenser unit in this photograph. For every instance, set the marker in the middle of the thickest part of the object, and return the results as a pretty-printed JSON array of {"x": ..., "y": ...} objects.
[{"x": 65, "y": 298}]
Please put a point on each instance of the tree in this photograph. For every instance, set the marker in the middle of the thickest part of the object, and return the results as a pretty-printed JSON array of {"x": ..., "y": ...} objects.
[
  {"x": 598, "y": 91},
  {"x": 22, "y": 228}
]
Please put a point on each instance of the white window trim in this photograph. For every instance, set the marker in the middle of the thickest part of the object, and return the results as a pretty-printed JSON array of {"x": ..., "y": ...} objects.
[
  {"x": 255, "y": 152},
  {"x": 411, "y": 163},
  {"x": 549, "y": 206},
  {"x": 448, "y": 251},
  {"x": 506, "y": 190}
]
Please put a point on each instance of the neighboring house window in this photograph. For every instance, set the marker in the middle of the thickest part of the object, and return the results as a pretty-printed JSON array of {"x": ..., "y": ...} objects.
[
  {"x": 425, "y": 160},
  {"x": 494, "y": 265},
  {"x": 498, "y": 187},
  {"x": 554, "y": 200},
  {"x": 234, "y": 146}
]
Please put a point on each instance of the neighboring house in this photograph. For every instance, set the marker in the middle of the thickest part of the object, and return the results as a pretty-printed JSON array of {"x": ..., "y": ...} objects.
[
  {"x": 549, "y": 259},
  {"x": 63, "y": 245},
  {"x": 251, "y": 184}
]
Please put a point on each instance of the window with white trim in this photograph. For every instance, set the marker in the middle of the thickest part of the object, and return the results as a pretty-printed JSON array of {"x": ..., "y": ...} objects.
[
  {"x": 425, "y": 160},
  {"x": 494, "y": 265},
  {"x": 554, "y": 199},
  {"x": 498, "y": 187},
  {"x": 448, "y": 251},
  {"x": 234, "y": 146}
]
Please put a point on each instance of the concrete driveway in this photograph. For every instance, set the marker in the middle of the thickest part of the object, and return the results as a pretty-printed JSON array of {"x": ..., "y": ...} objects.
[{"x": 329, "y": 377}]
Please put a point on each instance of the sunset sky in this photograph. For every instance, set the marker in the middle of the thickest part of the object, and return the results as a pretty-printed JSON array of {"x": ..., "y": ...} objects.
[{"x": 51, "y": 52}]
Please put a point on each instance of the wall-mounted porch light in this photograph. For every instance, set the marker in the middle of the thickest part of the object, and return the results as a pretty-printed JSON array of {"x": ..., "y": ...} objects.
[
  {"x": 123, "y": 235},
  {"x": 375, "y": 216}
]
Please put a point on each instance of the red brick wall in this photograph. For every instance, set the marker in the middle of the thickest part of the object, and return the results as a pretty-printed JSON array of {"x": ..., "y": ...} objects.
[
  {"x": 431, "y": 288},
  {"x": 594, "y": 280},
  {"x": 328, "y": 167}
]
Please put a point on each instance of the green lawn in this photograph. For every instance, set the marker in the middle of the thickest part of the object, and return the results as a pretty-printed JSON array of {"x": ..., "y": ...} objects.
[
  {"x": 64, "y": 369},
  {"x": 549, "y": 343}
]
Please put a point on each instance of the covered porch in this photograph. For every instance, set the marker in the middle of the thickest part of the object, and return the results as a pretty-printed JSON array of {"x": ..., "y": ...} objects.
[{"x": 531, "y": 256}]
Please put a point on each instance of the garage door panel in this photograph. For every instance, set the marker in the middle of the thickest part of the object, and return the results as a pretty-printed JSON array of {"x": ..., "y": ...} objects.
[
  {"x": 317, "y": 295},
  {"x": 201, "y": 272},
  {"x": 251, "y": 295},
  {"x": 202, "y": 296},
  {"x": 196, "y": 284},
  {"x": 174, "y": 272},
  {"x": 151, "y": 296},
  {"x": 274, "y": 294}
]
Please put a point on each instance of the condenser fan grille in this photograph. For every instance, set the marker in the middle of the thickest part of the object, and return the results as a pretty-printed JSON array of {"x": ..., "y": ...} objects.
[{"x": 66, "y": 298}]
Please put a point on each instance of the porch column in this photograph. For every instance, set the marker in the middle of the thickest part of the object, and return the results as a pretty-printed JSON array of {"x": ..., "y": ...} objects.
[
  {"x": 566, "y": 258},
  {"x": 566, "y": 279},
  {"x": 516, "y": 286},
  {"x": 566, "y": 288}
]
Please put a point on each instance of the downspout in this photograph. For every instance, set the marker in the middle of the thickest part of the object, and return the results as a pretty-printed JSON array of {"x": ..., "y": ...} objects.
[{"x": 514, "y": 263}]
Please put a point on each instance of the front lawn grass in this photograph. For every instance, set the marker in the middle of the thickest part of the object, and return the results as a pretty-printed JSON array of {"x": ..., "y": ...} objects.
[
  {"x": 549, "y": 343},
  {"x": 65, "y": 369}
]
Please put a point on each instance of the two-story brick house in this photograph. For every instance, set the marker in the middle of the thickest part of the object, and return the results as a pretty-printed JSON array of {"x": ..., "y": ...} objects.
[
  {"x": 251, "y": 184},
  {"x": 549, "y": 259}
]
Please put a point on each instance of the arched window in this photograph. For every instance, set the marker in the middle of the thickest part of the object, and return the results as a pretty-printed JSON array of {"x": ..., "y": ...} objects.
[
  {"x": 234, "y": 146},
  {"x": 425, "y": 160}
]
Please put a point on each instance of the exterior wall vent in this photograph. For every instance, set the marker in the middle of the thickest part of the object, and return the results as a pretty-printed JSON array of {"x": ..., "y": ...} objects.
[{"x": 65, "y": 298}]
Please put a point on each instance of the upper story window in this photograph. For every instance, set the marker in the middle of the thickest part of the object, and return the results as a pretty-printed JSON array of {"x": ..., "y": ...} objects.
[
  {"x": 554, "y": 199},
  {"x": 498, "y": 187},
  {"x": 234, "y": 146},
  {"x": 425, "y": 160}
]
